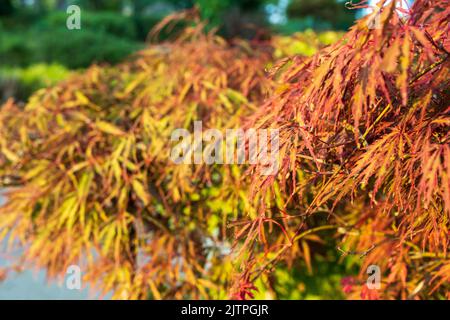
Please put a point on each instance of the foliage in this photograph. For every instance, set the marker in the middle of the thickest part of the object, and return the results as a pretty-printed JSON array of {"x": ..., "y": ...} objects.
[
  {"x": 365, "y": 151},
  {"x": 141, "y": 13},
  {"x": 94, "y": 184},
  {"x": 331, "y": 14},
  {"x": 214, "y": 9},
  {"x": 303, "y": 43},
  {"x": 364, "y": 166},
  {"x": 102, "y": 22},
  {"x": 14, "y": 48},
  {"x": 6, "y": 8},
  {"x": 92, "y": 47},
  {"x": 22, "y": 82},
  {"x": 104, "y": 37}
]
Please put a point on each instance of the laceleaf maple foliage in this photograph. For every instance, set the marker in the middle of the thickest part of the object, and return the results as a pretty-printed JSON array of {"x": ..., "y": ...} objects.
[
  {"x": 94, "y": 184},
  {"x": 364, "y": 152},
  {"x": 364, "y": 164}
]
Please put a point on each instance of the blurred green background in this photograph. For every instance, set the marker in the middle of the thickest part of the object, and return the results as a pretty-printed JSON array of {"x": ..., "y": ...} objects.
[{"x": 37, "y": 49}]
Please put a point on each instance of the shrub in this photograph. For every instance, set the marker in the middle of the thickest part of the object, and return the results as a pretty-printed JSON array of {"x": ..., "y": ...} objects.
[
  {"x": 103, "y": 38},
  {"x": 303, "y": 43},
  {"x": 15, "y": 49},
  {"x": 81, "y": 49},
  {"x": 365, "y": 152},
  {"x": 94, "y": 182},
  {"x": 21, "y": 83},
  {"x": 106, "y": 22}
]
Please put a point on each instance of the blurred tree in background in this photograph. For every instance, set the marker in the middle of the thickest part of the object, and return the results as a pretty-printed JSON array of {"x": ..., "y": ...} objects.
[
  {"x": 6, "y": 8},
  {"x": 322, "y": 14},
  {"x": 231, "y": 15}
]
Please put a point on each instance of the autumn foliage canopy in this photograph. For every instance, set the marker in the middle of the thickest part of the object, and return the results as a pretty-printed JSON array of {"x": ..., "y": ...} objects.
[
  {"x": 364, "y": 164},
  {"x": 364, "y": 131}
]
